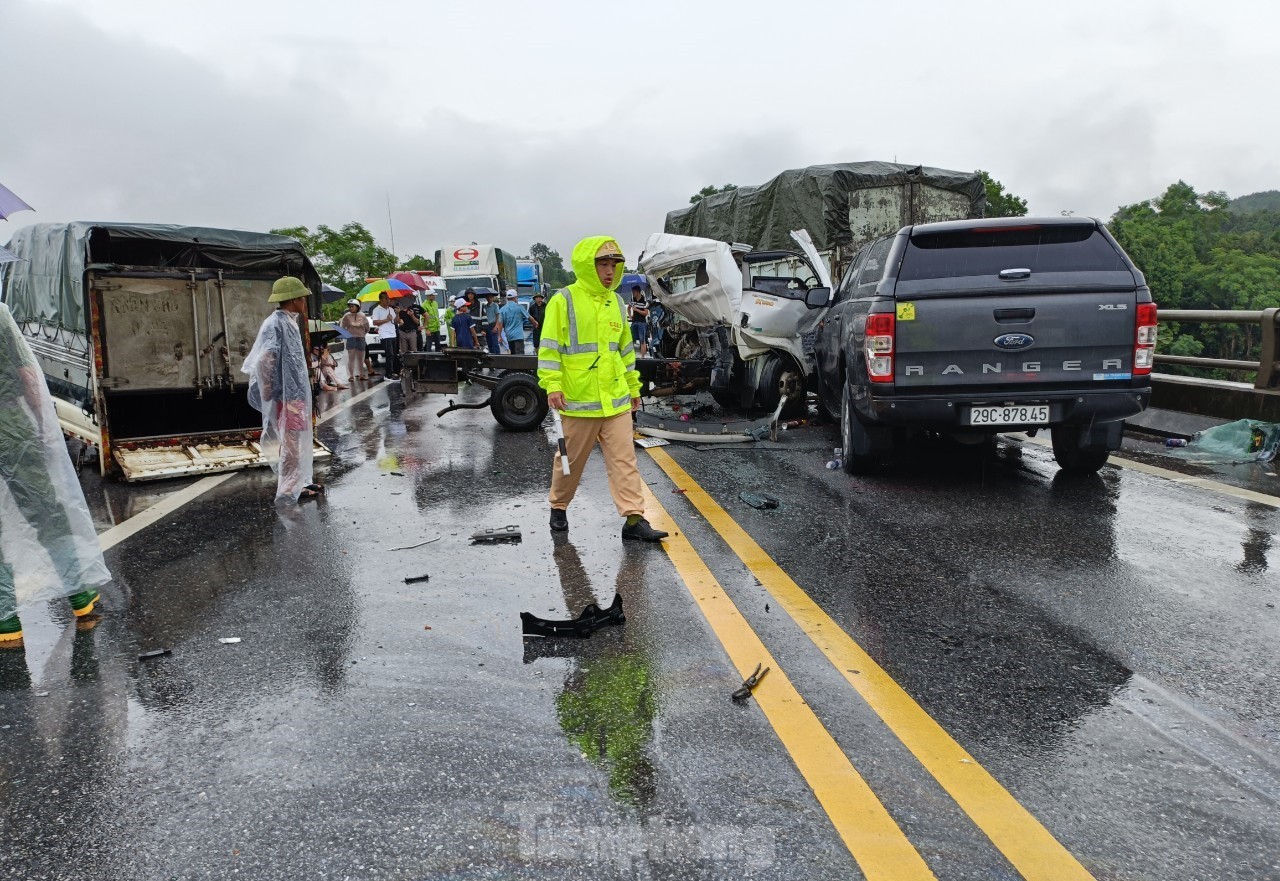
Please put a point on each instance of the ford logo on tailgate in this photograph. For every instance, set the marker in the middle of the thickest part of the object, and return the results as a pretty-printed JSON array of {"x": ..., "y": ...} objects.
[{"x": 1015, "y": 342}]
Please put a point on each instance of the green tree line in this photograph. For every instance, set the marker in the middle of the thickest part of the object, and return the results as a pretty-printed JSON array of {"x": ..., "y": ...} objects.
[{"x": 1203, "y": 251}]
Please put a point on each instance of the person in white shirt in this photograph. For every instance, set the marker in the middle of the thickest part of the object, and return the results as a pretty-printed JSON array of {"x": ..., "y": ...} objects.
[{"x": 384, "y": 320}]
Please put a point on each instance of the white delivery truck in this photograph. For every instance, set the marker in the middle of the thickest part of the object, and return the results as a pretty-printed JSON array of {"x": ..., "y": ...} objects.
[
  {"x": 480, "y": 267},
  {"x": 141, "y": 330}
]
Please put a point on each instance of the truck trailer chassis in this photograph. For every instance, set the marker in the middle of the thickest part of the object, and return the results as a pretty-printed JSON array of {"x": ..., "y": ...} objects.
[{"x": 518, "y": 403}]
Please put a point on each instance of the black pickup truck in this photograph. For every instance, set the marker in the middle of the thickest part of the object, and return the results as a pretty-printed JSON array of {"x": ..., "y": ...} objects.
[{"x": 976, "y": 327}]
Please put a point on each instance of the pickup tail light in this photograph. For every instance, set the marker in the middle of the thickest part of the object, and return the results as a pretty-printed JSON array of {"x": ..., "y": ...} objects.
[
  {"x": 879, "y": 346},
  {"x": 1144, "y": 345}
]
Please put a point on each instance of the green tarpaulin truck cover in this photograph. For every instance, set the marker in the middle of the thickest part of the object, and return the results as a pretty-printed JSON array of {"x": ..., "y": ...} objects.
[{"x": 824, "y": 200}]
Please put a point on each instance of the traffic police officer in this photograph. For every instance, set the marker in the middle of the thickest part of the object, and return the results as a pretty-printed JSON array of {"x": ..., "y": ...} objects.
[{"x": 587, "y": 366}]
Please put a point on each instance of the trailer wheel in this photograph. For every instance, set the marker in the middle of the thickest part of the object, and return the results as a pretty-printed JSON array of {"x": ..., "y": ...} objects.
[
  {"x": 781, "y": 376},
  {"x": 517, "y": 402}
]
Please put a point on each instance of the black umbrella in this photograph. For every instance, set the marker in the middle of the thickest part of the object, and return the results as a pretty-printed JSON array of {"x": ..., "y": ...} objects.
[{"x": 331, "y": 294}]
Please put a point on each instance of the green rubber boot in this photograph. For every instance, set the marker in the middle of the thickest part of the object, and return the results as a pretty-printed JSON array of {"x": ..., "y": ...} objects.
[
  {"x": 82, "y": 603},
  {"x": 11, "y": 633}
]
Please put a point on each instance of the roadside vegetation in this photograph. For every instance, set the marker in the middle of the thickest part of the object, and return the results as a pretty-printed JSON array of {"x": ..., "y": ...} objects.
[{"x": 1205, "y": 251}]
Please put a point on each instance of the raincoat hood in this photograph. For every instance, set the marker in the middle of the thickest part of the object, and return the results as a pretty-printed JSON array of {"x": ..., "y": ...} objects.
[{"x": 584, "y": 266}]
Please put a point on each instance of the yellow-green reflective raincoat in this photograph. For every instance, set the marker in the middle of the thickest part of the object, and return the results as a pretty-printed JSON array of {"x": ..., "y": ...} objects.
[{"x": 586, "y": 350}]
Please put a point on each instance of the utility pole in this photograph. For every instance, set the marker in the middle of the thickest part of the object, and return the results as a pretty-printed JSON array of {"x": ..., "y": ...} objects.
[{"x": 392, "y": 228}]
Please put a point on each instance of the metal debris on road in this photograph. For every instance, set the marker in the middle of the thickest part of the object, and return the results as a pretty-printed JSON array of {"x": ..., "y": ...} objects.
[
  {"x": 415, "y": 579},
  {"x": 228, "y": 640},
  {"x": 749, "y": 684},
  {"x": 418, "y": 545},
  {"x": 502, "y": 533},
  {"x": 587, "y": 623},
  {"x": 154, "y": 653},
  {"x": 760, "y": 501},
  {"x": 397, "y": 474}
]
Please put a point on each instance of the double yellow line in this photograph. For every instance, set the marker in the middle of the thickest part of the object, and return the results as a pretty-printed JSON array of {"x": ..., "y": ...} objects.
[{"x": 875, "y": 840}]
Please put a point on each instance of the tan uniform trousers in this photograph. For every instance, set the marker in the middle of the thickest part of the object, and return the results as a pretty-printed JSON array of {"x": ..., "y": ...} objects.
[{"x": 616, "y": 437}]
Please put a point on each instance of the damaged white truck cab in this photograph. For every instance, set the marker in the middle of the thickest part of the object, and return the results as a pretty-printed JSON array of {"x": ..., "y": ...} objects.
[
  {"x": 751, "y": 312},
  {"x": 761, "y": 327}
]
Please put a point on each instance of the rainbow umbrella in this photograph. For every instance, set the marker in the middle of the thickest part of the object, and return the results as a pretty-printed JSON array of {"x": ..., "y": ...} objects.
[{"x": 393, "y": 288}]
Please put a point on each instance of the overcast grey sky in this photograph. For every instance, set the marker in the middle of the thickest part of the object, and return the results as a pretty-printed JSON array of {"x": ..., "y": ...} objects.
[{"x": 516, "y": 122}]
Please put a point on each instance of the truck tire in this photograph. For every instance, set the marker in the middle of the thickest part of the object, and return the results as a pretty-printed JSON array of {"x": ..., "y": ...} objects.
[
  {"x": 517, "y": 402},
  {"x": 1073, "y": 458},
  {"x": 778, "y": 376},
  {"x": 858, "y": 454}
]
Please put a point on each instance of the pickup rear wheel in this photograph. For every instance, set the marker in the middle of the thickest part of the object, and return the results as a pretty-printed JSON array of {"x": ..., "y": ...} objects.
[
  {"x": 517, "y": 402},
  {"x": 857, "y": 456},
  {"x": 1071, "y": 457}
]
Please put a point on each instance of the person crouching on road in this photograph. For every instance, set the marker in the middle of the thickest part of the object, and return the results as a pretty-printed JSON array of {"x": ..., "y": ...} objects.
[
  {"x": 587, "y": 366},
  {"x": 325, "y": 369},
  {"x": 464, "y": 326},
  {"x": 280, "y": 389},
  {"x": 50, "y": 548},
  {"x": 357, "y": 324}
]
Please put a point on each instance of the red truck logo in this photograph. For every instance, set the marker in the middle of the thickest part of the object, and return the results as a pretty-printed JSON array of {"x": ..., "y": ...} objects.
[{"x": 465, "y": 254}]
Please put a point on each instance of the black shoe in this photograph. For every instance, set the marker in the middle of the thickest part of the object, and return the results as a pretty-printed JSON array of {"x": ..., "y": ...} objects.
[
  {"x": 642, "y": 531},
  {"x": 559, "y": 520}
]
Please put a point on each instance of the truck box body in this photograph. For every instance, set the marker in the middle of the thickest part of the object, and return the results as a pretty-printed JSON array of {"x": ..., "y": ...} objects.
[{"x": 141, "y": 331}]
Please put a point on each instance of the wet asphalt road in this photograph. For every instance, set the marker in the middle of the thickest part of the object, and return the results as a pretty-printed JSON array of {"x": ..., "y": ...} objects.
[{"x": 1105, "y": 648}]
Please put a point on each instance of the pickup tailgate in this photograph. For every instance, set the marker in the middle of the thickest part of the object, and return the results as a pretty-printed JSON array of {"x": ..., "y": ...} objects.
[
  {"x": 1050, "y": 306},
  {"x": 986, "y": 341}
]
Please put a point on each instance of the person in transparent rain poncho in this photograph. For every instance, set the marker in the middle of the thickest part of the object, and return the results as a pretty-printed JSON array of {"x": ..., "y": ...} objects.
[
  {"x": 48, "y": 546},
  {"x": 280, "y": 389}
]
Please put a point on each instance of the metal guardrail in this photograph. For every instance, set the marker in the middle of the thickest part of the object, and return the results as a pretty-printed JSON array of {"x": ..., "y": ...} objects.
[{"x": 1268, "y": 371}]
